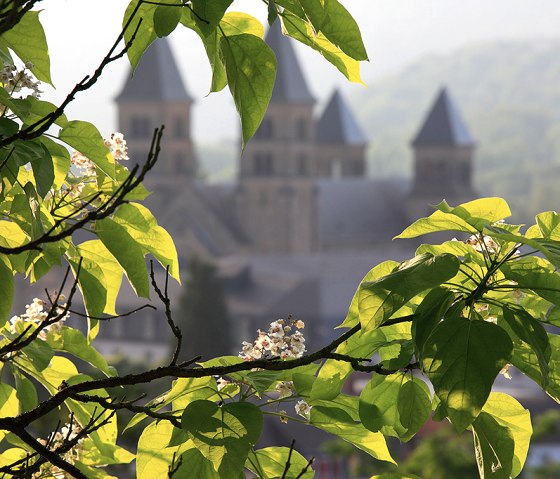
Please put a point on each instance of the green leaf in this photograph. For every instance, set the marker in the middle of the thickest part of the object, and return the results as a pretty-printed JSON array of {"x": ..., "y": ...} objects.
[
  {"x": 549, "y": 225},
  {"x": 525, "y": 359},
  {"x": 26, "y": 392},
  {"x": 85, "y": 138},
  {"x": 225, "y": 434},
  {"x": 303, "y": 32},
  {"x": 379, "y": 299},
  {"x": 141, "y": 225},
  {"x": 166, "y": 18},
  {"x": 9, "y": 404},
  {"x": 414, "y": 405},
  {"x": 211, "y": 44},
  {"x": 60, "y": 160},
  {"x": 378, "y": 404},
  {"x": 338, "y": 422},
  {"x": 195, "y": 466},
  {"x": 73, "y": 341},
  {"x": 127, "y": 252},
  {"x": 251, "y": 69},
  {"x": 510, "y": 414},
  {"x": 428, "y": 315},
  {"x": 331, "y": 19},
  {"x": 11, "y": 235},
  {"x": 395, "y": 405},
  {"x": 270, "y": 463},
  {"x": 437, "y": 221},
  {"x": 534, "y": 274},
  {"x": 27, "y": 39},
  {"x": 462, "y": 358},
  {"x": 7, "y": 282},
  {"x": 479, "y": 213},
  {"x": 208, "y": 14},
  {"x": 154, "y": 457},
  {"x": 37, "y": 110},
  {"x": 530, "y": 331},
  {"x": 272, "y": 12},
  {"x": 493, "y": 446},
  {"x": 100, "y": 277},
  {"x": 142, "y": 27},
  {"x": 549, "y": 248},
  {"x": 236, "y": 23},
  {"x": 43, "y": 172},
  {"x": 379, "y": 271},
  {"x": 395, "y": 475}
]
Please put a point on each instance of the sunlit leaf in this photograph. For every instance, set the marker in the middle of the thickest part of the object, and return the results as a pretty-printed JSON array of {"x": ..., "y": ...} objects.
[
  {"x": 127, "y": 252},
  {"x": 462, "y": 358},
  {"x": 270, "y": 463},
  {"x": 27, "y": 39},
  {"x": 85, "y": 138},
  {"x": 251, "y": 70},
  {"x": 223, "y": 434},
  {"x": 336, "y": 421},
  {"x": 166, "y": 18}
]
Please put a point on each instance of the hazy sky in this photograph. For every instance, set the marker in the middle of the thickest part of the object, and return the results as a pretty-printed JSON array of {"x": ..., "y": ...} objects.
[{"x": 395, "y": 32}]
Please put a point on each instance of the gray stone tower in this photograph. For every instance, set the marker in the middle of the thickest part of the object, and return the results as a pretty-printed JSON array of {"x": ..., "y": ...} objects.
[
  {"x": 275, "y": 198},
  {"x": 156, "y": 96},
  {"x": 443, "y": 159},
  {"x": 341, "y": 144}
]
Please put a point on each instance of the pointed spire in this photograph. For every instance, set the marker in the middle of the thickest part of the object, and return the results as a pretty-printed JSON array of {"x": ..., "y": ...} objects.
[
  {"x": 156, "y": 78},
  {"x": 443, "y": 125},
  {"x": 338, "y": 125},
  {"x": 290, "y": 85}
]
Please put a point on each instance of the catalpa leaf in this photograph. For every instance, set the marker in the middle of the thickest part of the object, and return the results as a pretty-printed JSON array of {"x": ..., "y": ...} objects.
[
  {"x": 27, "y": 39},
  {"x": 223, "y": 434},
  {"x": 140, "y": 27},
  {"x": 379, "y": 299},
  {"x": 462, "y": 359},
  {"x": 510, "y": 414},
  {"x": 303, "y": 32},
  {"x": 251, "y": 70}
]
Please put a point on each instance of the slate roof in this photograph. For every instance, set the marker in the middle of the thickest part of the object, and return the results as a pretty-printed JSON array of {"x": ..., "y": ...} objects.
[
  {"x": 360, "y": 211},
  {"x": 443, "y": 125},
  {"x": 290, "y": 85},
  {"x": 156, "y": 78},
  {"x": 337, "y": 124}
]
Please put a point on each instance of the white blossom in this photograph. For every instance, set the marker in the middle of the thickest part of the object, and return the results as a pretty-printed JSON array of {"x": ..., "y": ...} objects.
[
  {"x": 303, "y": 409},
  {"x": 505, "y": 371},
  {"x": 117, "y": 146},
  {"x": 285, "y": 388},
  {"x": 489, "y": 244},
  {"x": 222, "y": 383},
  {"x": 276, "y": 342}
]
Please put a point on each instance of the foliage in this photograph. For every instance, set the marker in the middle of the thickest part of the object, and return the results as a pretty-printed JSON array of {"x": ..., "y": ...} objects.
[
  {"x": 457, "y": 313},
  {"x": 204, "y": 319}
]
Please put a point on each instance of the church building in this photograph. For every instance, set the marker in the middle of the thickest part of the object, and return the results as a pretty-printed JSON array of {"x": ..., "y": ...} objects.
[{"x": 304, "y": 220}]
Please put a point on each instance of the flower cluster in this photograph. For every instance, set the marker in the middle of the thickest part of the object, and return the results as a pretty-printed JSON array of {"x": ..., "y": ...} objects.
[
  {"x": 35, "y": 314},
  {"x": 83, "y": 163},
  {"x": 15, "y": 80},
  {"x": 67, "y": 433},
  {"x": 277, "y": 342},
  {"x": 117, "y": 146}
]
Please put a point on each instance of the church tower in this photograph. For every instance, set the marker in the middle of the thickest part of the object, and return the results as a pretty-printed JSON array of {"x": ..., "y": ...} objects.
[
  {"x": 443, "y": 159},
  {"x": 341, "y": 144},
  {"x": 155, "y": 95},
  {"x": 276, "y": 194}
]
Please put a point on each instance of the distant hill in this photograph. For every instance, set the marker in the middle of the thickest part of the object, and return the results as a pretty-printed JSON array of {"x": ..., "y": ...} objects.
[{"x": 508, "y": 93}]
